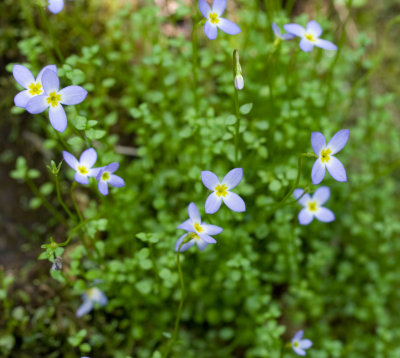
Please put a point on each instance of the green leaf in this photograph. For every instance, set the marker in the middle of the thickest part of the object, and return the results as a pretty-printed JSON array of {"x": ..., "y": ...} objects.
[{"x": 246, "y": 108}]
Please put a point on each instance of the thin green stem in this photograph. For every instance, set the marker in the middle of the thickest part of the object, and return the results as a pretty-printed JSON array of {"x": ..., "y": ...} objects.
[
  {"x": 60, "y": 200},
  {"x": 195, "y": 64},
  {"x": 237, "y": 134},
  {"x": 78, "y": 212}
]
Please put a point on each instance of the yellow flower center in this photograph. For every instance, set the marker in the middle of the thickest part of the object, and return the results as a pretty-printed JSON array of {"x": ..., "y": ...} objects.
[
  {"x": 221, "y": 190},
  {"x": 35, "y": 89},
  {"x": 296, "y": 343},
  {"x": 197, "y": 227},
  {"x": 213, "y": 18},
  {"x": 310, "y": 37},
  {"x": 312, "y": 206},
  {"x": 325, "y": 155},
  {"x": 83, "y": 170},
  {"x": 105, "y": 176},
  {"x": 192, "y": 235},
  {"x": 53, "y": 99}
]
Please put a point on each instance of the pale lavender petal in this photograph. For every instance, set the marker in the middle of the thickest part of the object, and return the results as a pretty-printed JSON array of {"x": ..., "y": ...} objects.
[
  {"x": 201, "y": 244},
  {"x": 336, "y": 169},
  {"x": 305, "y": 216},
  {"x": 321, "y": 195},
  {"x": 212, "y": 229},
  {"x": 80, "y": 178},
  {"x": 304, "y": 199},
  {"x": 338, "y": 141},
  {"x": 234, "y": 202},
  {"x": 86, "y": 307},
  {"x": 213, "y": 203},
  {"x": 22, "y": 98},
  {"x": 55, "y": 6},
  {"x": 94, "y": 172},
  {"x": 207, "y": 238},
  {"x": 299, "y": 351},
  {"x": 103, "y": 187},
  {"x": 287, "y": 36},
  {"x": 72, "y": 95},
  {"x": 306, "y": 45},
  {"x": 314, "y": 28},
  {"x": 186, "y": 225},
  {"x": 305, "y": 343},
  {"x": 58, "y": 118},
  {"x": 210, "y": 30},
  {"x": 50, "y": 81},
  {"x": 88, "y": 158},
  {"x": 317, "y": 172},
  {"x": 209, "y": 179},
  {"x": 228, "y": 26},
  {"x": 324, "y": 215},
  {"x": 116, "y": 181},
  {"x": 194, "y": 214},
  {"x": 276, "y": 30},
  {"x": 219, "y": 6},
  {"x": 37, "y": 104},
  {"x": 48, "y": 67},
  {"x": 70, "y": 160},
  {"x": 298, "y": 335},
  {"x": 317, "y": 142},
  {"x": 295, "y": 29},
  {"x": 23, "y": 76},
  {"x": 326, "y": 45},
  {"x": 99, "y": 296},
  {"x": 233, "y": 178},
  {"x": 185, "y": 246},
  {"x": 204, "y": 8},
  {"x": 112, "y": 167}
]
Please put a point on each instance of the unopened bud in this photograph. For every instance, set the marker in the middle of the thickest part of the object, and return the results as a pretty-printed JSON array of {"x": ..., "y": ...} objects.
[
  {"x": 239, "y": 82},
  {"x": 57, "y": 264},
  {"x": 237, "y": 71}
]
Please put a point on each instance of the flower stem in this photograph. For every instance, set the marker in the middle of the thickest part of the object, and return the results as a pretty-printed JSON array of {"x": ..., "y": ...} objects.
[
  {"x": 74, "y": 202},
  {"x": 60, "y": 200},
  {"x": 194, "y": 65},
  {"x": 237, "y": 134}
]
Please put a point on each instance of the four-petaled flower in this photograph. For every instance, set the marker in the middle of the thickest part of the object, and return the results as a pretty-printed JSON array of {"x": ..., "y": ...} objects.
[
  {"x": 214, "y": 19},
  {"x": 83, "y": 167},
  {"x": 33, "y": 87},
  {"x": 313, "y": 206},
  {"x": 309, "y": 36},
  {"x": 53, "y": 99},
  {"x": 90, "y": 297},
  {"x": 278, "y": 33},
  {"x": 325, "y": 153},
  {"x": 55, "y": 6},
  {"x": 221, "y": 191},
  {"x": 105, "y": 176},
  {"x": 198, "y": 232},
  {"x": 300, "y": 345}
]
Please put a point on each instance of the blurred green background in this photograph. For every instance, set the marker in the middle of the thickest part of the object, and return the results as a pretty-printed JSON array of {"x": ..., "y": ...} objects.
[{"x": 267, "y": 276}]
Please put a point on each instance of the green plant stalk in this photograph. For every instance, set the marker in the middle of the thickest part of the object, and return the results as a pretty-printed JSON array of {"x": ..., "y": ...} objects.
[
  {"x": 237, "y": 131},
  {"x": 60, "y": 200},
  {"x": 194, "y": 65}
]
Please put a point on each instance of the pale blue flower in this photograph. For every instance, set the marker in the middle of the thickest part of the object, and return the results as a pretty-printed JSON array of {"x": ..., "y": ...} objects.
[
  {"x": 83, "y": 166},
  {"x": 222, "y": 191},
  {"x": 309, "y": 36},
  {"x": 278, "y": 33},
  {"x": 90, "y": 297},
  {"x": 55, "y": 6},
  {"x": 198, "y": 232},
  {"x": 313, "y": 206},
  {"x": 299, "y": 345},
  {"x": 53, "y": 98},
  {"x": 325, "y": 153},
  {"x": 105, "y": 176},
  {"x": 33, "y": 87},
  {"x": 214, "y": 19}
]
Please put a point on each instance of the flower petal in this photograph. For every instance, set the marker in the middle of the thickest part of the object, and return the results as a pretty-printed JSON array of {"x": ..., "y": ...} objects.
[
  {"x": 298, "y": 335},
  {"x": 325, "y": 215},
  {"x": 295, "y": 29},
  {"x": 37, "y": 104},
  {"x": 103, "y": 187},
  {"x": 22, "y": 98},
  {"x": 305, "y": 343},
  {"x": 55, "y": 6},
  {"x": 276, "y": 30},
  {"x": 326, "y": 45},
  {"x": 336, "y": 169},
  {"x": 72, "y": 95},
  {"x": 112, "y": 167},
  {"x": 314, "y": 28},
  {"x": 116, "y": 181},
  {"x": 210, "y": 30},
  {"x": 209, "y": 179},
  {"x": 80, "y": 178},
  {"x": 94, "y": 172},
  {"x": 86, "y": 307},
  {"x": 23, "y": 76},
  {"x": 305, "y": 216},
  {"x": 204, "y": 8},
  {"x": 186, "y": 225},
  {"x": 70, "y": 160},
  {"x": 201, "y": 244},
  {"x": 234, "y": 202},
  {"x": 88, "y": 158},
  {"x": 299, "y": 351},
  {"x": 207, "y": 238},
  {"x": 58, "y": 118},
  {"x": 194, "y": 214},
  {"x": 297, "y": 193},
  {"x": 228, "y": 26},
  {"x": 321, "y": 195},
  {"x": 317, "y": 172},
  {"x": 48, "y": 67},
  {"x": 50, "y": 81},
  {"x": 317, "y": 142},
  {"x": 287, "y": 36},
  {"x": 212, "y": 229},
  {"x": 338, "y": 141},
  {"x": 233, "y": 178},
  {"x": 185, "y": 246},
  {"x": 219, "y": 6},
  {"x": 306, "y": 45},
  {"x": 213, "y": 203}
]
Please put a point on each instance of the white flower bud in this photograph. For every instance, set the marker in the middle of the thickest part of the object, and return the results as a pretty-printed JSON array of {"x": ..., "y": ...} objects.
[{"x": 239, "y": 82}]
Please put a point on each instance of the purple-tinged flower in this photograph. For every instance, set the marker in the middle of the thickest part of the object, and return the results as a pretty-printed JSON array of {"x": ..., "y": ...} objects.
[
  {"x": 83, "y": 167},
  {"x": 313, "y": 206},
  {"x": 33, "y": 87},
  {"x": 309, "y": 36},
  {"x": 278, "y": 33},
  {"x": 300, "y": 345},
  {"x": 90, "y": 297},
  {"x": 214, "y": 19},
  {"x": 221, "y": 191},
  {"x": 106, "y": 176},
  {"x": 55, "y": 6},
  {"x": 53, "y": 99},
  {"x": 239, "y": 82},
  {"x": 325, "y": 153},
  {"x": 198, "y": 232}
]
